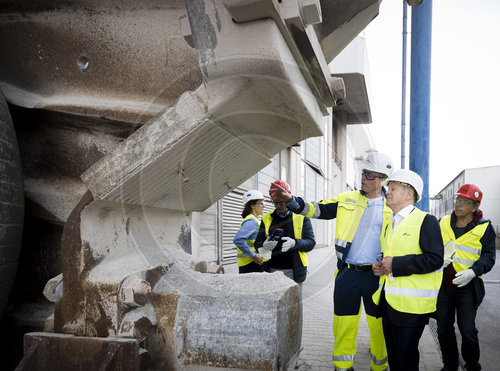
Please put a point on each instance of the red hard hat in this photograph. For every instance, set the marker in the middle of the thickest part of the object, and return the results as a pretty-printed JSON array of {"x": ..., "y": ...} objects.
[
  {"x": 470, "y": 191},
  {"x": 281, "y": 183}
]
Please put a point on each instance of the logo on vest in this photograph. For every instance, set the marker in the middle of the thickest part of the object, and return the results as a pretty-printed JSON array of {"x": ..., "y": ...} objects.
[{"x": 406, "y": 234}]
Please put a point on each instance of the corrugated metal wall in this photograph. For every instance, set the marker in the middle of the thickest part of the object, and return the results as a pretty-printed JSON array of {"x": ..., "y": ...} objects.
[{"x": 231, "y": 219}]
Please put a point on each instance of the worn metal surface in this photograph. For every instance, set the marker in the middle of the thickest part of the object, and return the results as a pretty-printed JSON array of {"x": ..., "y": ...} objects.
[
  {"x": 45, "y": 351},
  {"x": 255, "y": 102},
  {"x": 11, "y": 203},
  {"x": 345, "y": 20},
  {"x": 128, "y": 61},
  {"x": 159, "y": 104},
  {"x": 121, "y": 60}
]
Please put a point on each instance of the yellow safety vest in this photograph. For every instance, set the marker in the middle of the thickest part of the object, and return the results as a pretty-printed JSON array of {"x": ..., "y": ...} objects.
[
  {"x": 416, "y": 293},
  {"x": 241, "y": 258},
  {"x": 298, "y": 222},
  {"x": 467, "y": 247},
  {"x": 350, "y": 209}
]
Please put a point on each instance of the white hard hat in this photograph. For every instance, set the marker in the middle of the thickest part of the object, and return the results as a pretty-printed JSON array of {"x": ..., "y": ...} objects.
[
  {"x": 252, "y": 194},
  {"x": 408, "y": 177},
  {"x": 378, "y": 162}
]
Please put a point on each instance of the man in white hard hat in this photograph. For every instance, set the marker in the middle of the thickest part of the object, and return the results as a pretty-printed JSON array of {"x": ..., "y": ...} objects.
[
  {"x": 410, "y": 271},
  {"x": 359, "y": 217}
]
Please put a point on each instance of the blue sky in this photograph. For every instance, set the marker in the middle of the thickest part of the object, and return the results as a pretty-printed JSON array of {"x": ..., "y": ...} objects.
[{"x": 465, "y": 85}]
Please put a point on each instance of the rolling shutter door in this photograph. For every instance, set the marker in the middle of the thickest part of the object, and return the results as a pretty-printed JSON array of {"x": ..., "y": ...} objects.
[{"x": 231, "y": 220}]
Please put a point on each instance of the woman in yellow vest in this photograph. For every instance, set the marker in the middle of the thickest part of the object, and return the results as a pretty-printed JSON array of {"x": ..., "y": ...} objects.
[
  {"x": 469, "y": 253},
  {"x": 410, "y": 271},
  {"x": 247, "y": 257}
]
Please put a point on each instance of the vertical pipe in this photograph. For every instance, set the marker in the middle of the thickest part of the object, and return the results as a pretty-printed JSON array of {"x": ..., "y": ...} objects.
[
  {"x": 421, "y": 32},
  {"x": 219, "y": 238},
  {"x": 403, "y": 89}
]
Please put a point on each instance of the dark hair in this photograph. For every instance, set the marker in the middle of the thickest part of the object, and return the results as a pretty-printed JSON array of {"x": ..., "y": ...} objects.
[
  {"x": 247, "y": 210},
  {"x": 415, "y": 195}
]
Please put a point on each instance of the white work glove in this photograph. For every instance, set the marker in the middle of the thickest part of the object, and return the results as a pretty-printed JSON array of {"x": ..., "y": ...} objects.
[
  {"x": 269, "y": 244},
  {"x": 288, "y": 243},
  {"x": 449, "y": 251},
  {"x": 462, "y": 278}
]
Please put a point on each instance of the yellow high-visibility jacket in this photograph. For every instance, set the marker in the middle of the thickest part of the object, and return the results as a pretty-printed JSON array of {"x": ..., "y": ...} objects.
[
  {"x": 416, "y": 293},
  {"x": 241, "y": 258},
  {"x": 467, "y": 247}
]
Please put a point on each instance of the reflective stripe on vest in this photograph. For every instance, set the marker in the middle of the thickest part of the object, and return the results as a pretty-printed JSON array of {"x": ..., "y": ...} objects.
[
  {"x": 378, "y": 362},
  {"x": 243, "y": 259},
  {"x": 467, "y": 247},
  {"x": 416, "y": 293},
  {"x": 349, "y": 358},
  {"x": 311, "y": 210},
  {"x": 298, "y": 222},
  {"x": 412, "y": 293}
]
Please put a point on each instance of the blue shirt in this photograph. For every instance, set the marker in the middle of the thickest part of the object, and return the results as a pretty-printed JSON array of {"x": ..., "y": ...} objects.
[
  {"x": 366, "y": 242},
  {"x": 248, "y": 231}
]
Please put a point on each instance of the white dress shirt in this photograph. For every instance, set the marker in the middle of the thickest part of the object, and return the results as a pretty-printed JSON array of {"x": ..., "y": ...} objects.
[{"x": 398, "y": 218}]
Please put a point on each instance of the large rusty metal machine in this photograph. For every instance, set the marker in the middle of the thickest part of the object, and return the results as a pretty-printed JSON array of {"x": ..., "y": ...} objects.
[{"x": 127, "y": 116}]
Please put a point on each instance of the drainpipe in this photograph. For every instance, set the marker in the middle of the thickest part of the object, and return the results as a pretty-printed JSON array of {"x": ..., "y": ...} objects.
[
  {"x": 421, "y": 29},
  {"x": 403, "y": 90}
]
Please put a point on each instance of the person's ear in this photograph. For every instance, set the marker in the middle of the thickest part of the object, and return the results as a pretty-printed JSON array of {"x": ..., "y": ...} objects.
[{"x": 410, "y": 194}]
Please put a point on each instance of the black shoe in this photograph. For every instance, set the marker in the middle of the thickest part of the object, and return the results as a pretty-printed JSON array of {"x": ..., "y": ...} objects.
[{"x": 476, "y": 367}]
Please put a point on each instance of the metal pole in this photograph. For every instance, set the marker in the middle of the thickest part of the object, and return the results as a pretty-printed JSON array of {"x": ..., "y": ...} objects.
[
  {"x": 421, "y": 32},
  {"x": 403, "y": 90}
]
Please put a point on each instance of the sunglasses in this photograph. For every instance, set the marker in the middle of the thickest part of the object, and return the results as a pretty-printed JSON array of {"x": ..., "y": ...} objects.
[
  {"x": 370, "y": 176},
  {"x": 279, "y": 203},
  {"x": 259, "y": 203}
]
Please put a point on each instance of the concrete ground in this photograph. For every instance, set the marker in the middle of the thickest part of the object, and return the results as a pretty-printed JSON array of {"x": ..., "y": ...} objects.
[{"x": 317, "y": 332}]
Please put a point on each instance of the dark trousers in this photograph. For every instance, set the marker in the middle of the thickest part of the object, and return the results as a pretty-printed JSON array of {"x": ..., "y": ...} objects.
[
  {"x": 251, "y": 267},
  {"x": 402, "y": 345},
  {"x": 350, "y": 288},
  {"x": 461, "y": 301}
]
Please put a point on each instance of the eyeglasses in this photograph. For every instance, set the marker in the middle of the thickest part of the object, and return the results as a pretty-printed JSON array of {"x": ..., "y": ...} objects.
[
  {"x": 259, "y": 203},
  {"x": 370, "y": 176},
  {"x": 279, "y": 203},
  {"x": 464, "y": 202}
]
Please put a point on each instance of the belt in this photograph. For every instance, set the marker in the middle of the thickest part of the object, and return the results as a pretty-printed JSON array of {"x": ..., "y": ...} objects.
[{"x": 360, "y": 268}]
